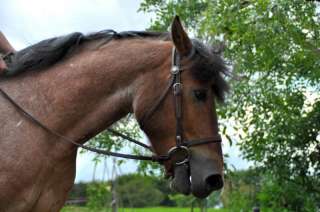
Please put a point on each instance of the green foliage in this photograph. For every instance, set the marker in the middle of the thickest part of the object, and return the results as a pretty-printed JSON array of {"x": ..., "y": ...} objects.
[
  {"x": 107, "y": 141},
  {"x": 274, "y": 47},
  {"x": 241, "y": 189},
  {"x": 138, "y": 191},
  {"x": 98, "y": 195},
  {"x": 182, "y": 200},
  {"x": 135, "y": 190},
  {"x": 157, "y": 209},
  {"x": 78, "y": 191},
  {"x": 287, "y": 191},
  {"x": 247, "y": 189}
]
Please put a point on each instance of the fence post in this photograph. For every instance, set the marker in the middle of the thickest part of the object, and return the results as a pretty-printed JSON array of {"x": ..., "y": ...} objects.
[{"x": 114, "y": 203}]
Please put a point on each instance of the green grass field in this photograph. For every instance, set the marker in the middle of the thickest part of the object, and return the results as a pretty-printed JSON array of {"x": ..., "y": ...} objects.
[{"x": 158, "y": 209}]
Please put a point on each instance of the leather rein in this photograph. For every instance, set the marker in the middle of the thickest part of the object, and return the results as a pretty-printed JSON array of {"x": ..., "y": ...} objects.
[{"x": 179, "y": 154}]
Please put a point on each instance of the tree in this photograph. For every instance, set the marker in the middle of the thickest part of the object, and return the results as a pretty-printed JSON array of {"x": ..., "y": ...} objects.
[
  {"x": 98, "y": 195},
  {"x": 138, "y": 191},
  {"x": 108, "y": 141},
  {"x": 274, "y": 48},
  {"x": 242, "y": 189},
  {"x": 78, "y": 191}
]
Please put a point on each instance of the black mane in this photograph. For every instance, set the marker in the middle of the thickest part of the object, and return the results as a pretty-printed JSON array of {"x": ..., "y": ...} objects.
[
  {"x": 50, "y": 51},
  {"x": 208, "y": 65}
]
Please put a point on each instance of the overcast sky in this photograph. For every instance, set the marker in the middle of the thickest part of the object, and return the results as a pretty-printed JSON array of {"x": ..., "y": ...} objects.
[{"x": 25, "y": 22}]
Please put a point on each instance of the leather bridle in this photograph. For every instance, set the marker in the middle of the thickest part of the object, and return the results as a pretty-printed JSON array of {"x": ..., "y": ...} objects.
[{"x": 179, "y": 154}]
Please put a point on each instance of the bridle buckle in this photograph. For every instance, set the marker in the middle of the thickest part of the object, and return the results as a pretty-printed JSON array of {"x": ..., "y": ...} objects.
[
  {"x": 179, "y": 155},
  {"x": 177, "y": 87}
]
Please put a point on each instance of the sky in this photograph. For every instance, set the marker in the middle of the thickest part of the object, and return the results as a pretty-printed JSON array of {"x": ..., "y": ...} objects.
[{"x": 26, "y": 22}]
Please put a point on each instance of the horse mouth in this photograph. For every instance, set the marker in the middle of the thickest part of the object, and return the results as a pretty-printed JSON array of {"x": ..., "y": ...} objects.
[
  {"x": 199, "y": 177},
  {"x": 181, "y": 180}
]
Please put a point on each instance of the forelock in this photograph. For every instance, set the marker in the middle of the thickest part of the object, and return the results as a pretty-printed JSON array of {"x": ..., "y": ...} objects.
[{"x": 208, "y": 66}]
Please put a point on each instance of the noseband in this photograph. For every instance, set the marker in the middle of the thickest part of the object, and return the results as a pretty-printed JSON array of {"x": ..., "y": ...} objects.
[{"x": 179, "y": 154}]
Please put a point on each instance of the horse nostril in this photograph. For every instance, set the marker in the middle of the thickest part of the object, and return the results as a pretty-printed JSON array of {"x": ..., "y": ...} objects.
[{"x": 214, "y": 182}]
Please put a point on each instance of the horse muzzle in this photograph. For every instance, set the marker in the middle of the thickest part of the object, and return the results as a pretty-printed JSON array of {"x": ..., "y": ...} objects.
[{"x": 199, "y": 176}]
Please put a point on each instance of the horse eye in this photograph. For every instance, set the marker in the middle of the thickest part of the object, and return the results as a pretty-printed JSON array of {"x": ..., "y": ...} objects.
[{"x": 200, "y": 95}]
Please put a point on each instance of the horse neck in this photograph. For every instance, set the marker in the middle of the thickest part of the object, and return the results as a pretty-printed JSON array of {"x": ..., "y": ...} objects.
[{"x": 93, "y": 88}]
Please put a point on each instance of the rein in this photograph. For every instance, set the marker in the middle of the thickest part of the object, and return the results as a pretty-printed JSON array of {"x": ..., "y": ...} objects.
[
  {"x": 92, "y": 149},
  {"x": 179, "y": 154}
]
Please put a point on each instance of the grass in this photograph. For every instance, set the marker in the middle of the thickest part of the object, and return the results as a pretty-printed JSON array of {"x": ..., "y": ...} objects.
[{"x": 157, "y": 209}]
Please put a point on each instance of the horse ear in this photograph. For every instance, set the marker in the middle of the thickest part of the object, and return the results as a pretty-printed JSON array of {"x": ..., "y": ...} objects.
[{"x": 180, "y": 38}]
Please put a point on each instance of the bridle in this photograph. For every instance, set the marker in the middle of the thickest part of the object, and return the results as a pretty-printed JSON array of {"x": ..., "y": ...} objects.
[{"x": 179, "y": 154}]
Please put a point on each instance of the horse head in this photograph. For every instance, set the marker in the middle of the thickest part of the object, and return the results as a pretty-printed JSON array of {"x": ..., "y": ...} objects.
[{"x": 183, "y": 115}]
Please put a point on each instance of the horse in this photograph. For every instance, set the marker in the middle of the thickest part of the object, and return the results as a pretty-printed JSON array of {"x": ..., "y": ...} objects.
[{"x": 79, "y": 85}]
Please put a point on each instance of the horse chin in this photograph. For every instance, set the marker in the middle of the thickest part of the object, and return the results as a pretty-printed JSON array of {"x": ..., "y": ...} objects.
[{"x": 181, "y": 180}]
